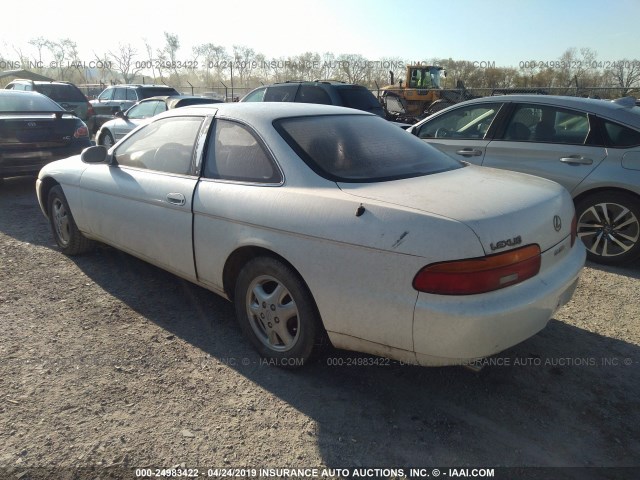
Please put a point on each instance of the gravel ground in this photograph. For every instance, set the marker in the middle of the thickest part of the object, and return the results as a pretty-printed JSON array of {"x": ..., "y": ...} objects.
[{"x": 110, "y": 364}]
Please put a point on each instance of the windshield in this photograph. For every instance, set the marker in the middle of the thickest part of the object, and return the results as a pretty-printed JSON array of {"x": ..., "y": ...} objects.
[
  {"x": 360, "y": 148},
  {"x": 27, "y": 102}
]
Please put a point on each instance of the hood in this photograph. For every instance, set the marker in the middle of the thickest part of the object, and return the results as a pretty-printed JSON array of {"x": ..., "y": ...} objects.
[{"x": 504, "y": 209}]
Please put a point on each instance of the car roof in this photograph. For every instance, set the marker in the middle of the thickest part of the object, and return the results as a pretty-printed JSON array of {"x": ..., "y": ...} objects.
[
  {"x": 21, "y": 92},
  {"x": 604, "y": 108},
  {"x": 265, "y": 111},
  {"x": 141, "y": 85},
  {"x": 41, "y": 82},
  {"x": 173, "y": 100}
]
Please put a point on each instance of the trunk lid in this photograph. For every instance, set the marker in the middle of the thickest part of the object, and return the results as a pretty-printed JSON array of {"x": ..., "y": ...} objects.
[{"x": 505, "y": 209}]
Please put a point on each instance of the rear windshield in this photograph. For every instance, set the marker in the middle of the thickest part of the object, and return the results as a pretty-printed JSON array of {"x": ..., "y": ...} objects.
[
  {"x": 61, "y": 93},
  {"x": 360, "y": 148},
  {"x": 157, "y": 92},
  {"x": 359, "y": 98},
  {"x": 27, "y": 102}
]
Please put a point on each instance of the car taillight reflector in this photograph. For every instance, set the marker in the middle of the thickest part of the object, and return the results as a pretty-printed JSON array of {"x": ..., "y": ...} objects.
[
  {"x": 82, "y": 131},
  {"x": 479, "y": 275}
]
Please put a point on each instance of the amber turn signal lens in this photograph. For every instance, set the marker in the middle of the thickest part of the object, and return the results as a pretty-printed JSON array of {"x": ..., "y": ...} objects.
[{"x": 479, "y": 275}]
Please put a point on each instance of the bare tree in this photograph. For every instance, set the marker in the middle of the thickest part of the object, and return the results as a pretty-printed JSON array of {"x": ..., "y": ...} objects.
[
  {"x": 65, "y": 56},
  {"x": 125, "y": 63},
  {"x": 243, "y": 60},
  {"x": 172, "y": 45},
  {"x": 626, "y": 75},
  {"x": 214, "y": 58},
  {"x": 353, "y": 67}
]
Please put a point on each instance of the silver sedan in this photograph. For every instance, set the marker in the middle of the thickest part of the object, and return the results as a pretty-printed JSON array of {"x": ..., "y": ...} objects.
[{"x": 591, "y": 147}]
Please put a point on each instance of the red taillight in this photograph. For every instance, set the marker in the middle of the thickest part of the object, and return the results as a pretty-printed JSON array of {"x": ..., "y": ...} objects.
[
  {"x": 479, "y": 275},
  {"x": 574, "y": 229},
  {"x": 90, "y": 111},
  {"x": 82, "y": 131}
]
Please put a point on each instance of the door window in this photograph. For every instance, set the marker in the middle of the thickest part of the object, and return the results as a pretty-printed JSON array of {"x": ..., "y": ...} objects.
[
  {"x": 120, "y": 94},
  {"x": 466, "y": 123},
  {"x": 547, "y": 123},
  {"x": 165, "y": 146}
]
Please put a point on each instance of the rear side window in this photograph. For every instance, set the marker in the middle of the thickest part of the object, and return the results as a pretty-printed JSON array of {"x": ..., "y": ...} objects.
[
  {"x": 360, "y": 148},
  {"x": 358, "y": 97},
  {"x": 164, "y": 146},
  {"x": 156, "y": 92},
  {"x": 313, "y": 94},
  {"x": 235, "y": 154},
  {"x": 281, "y": 93},
  {"x": 61, "y": 93},
  {"x": 619, "y": 136},
  {"x": 547, "y": 124}
]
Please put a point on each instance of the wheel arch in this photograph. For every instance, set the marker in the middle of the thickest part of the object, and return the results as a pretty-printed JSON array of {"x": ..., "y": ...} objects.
[
  {"x": 595, "y": 191},
  {"x": 241, "y": 256},
  {"x": 45, "y": 187},
  {"x": 101, "y": 133}
]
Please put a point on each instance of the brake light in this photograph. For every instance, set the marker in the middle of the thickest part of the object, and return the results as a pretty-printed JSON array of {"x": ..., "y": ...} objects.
[
  {"x": 574, "y": 229},
  {"x": 479, "y": 275},
  {"x": 90, "y": 111},
  {"x": 82, "y": 131}
]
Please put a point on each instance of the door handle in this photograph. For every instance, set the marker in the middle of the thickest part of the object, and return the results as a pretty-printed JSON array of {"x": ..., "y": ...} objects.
[
  {"x": 469, "y": 152},
  {"x": 576, "y": 160},
  {"x": 176, "y": 198}
]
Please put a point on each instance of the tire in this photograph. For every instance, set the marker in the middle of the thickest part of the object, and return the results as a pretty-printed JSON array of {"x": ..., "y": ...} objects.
[
  {"x": 609, "y": 226},
  {"x": 65, "y": 231},
  {"x": 106, "y": 139},
  {"x": 276, "y": 311}
]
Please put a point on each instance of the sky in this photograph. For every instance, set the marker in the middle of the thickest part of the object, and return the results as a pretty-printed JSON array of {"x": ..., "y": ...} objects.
[{"x": 500, "y": 31}]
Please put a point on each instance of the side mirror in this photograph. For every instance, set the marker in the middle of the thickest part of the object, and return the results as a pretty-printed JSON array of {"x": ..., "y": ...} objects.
[
  {"x": 119, "y": 114},
  {"x": 95, "y": 154}
]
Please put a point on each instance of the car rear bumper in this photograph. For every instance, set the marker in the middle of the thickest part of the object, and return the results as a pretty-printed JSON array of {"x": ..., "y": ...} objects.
[
  {"x": 27, "y": 162},
  {"x": 454, "y": 330}
]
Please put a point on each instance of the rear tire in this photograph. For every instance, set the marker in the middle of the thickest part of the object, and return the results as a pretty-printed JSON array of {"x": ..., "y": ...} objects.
[
  {"x": 276, "y": 311},
  {"x": 65, "y": 231},
  {"x": 609, "y": 226}
]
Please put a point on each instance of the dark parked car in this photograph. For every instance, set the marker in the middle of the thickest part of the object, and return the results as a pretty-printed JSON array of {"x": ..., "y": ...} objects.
[
  {"x": 323, "y": 92},
  {"x": 35, "y": 130},
  {"x": 122, "y": 97},
  {"x": 66, "y": 94},
  {"x": 115, "y": 129}
]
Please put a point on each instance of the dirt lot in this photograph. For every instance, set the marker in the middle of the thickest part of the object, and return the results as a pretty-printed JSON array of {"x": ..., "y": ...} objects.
[{"x": 109, "y": 364}]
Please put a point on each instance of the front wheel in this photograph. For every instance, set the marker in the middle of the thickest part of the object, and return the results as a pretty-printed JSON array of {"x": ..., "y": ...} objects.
[
  {"x": 65, "y": 231},
  {"x": 106, "y": 139},
  {"x": 609, "y": 226},
  {"x": 276, "y": 311}
]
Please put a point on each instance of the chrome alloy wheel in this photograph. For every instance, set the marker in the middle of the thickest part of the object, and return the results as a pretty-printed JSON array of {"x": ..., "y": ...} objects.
[
  {"x": 608, "y": 229},
  {"x": 273, "y": 314},
  {"x": 61, "y": 221}
]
